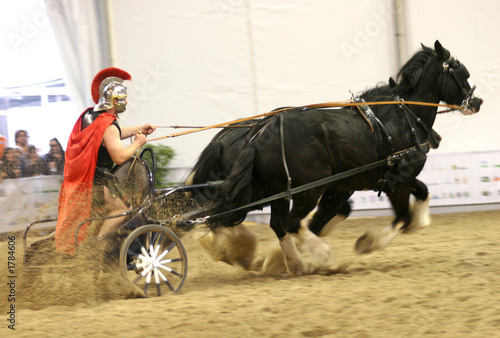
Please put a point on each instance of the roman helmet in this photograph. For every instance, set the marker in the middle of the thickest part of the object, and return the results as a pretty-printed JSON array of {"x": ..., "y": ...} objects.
[{"x": 106, "y": 86}]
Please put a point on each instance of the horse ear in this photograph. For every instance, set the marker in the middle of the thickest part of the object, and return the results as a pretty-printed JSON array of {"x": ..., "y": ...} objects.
[
  {"x": 441, "y": 52},
  {"x": 392, "y": 83},
  {"x": 425, "y": 48}
]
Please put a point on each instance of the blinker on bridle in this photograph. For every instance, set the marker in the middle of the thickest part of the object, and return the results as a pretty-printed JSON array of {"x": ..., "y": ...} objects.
[{"x": 460, "y": 76}]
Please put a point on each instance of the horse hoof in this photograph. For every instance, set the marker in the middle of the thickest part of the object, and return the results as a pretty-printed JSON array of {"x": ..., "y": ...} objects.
[
  {"x": 417, "y": 225},
  {"x": 411, "y": 229},
  {"x": 274, "y": 264},
  {"x": 296, "y": 269},
  {"x": 365, "y": 244}
]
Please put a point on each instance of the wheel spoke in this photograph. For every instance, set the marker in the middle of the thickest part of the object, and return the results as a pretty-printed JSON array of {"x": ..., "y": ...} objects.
[
  {"x": 146, "y": 251},
  {"x": 157, "y": 281},
  {"x": 154, "y": 237},
  {"x": 162, "y": 276},
  {"x": 143, "y": 258},
  {"x": 170, "y": 270},
  {"x": 160, "y": 238},
  {"x": 167, "y": 250},
  {"x": 171, "y": 246},
  {"x": 172, "y": 260},
  {"x": 157, "y": 278},
  {"x": 157, "y": 249},
  {"x": 147, "y": 272},
  {"x": 169, "y": 285},
  {"x": 152, "y": 252}
]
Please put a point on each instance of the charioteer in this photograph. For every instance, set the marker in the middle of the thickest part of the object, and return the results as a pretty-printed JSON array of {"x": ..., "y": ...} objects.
[{"x": 94, "y": 146}]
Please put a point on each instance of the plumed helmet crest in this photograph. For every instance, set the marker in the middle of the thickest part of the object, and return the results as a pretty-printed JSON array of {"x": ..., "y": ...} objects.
[{"x": 112, "y": 72}]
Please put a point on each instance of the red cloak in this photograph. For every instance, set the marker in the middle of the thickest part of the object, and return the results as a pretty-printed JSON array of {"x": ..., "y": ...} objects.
[{"x": 75, "y": 198}]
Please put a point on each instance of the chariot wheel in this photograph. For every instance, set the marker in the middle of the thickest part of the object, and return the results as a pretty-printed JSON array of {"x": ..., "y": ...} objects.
[{"x": 153, "y": 254}]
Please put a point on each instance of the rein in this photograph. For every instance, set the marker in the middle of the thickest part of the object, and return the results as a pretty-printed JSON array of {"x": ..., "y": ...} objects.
[
  {"x": 193, "y": 127},
  {"x": 317, "y": 105}
]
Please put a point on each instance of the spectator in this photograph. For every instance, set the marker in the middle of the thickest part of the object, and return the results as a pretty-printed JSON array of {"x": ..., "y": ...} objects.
[
  {"x": 54, "y": 159},
  {"x": 11, "y": 166},
  {"x": 3, "y": 144},
  {"x": 21, "y": 137},
  {"x": 35, "y": 165}
]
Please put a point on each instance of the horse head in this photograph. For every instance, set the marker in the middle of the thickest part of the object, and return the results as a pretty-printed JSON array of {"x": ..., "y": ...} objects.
[
  {"x": 435, "y": 74},
  {"x": 457, "y": 87}
]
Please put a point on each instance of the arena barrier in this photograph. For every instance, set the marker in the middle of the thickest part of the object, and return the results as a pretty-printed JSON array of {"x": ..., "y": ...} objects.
[{"x": 24, "y": 200}]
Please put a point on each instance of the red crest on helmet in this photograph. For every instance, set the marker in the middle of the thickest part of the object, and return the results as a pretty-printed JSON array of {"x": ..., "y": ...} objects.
[{"x": 103, "y": 74}]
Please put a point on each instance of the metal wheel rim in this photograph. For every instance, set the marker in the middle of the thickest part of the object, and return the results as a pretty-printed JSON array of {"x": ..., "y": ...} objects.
[{"x": 153, "y": 255}]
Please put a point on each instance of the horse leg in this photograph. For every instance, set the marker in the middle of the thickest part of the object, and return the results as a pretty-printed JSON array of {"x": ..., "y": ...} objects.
[
  {"x": 333, "y": 208},
  {"x": 312, "y": 252},
  {"x": 371, "y": 241},
  {"x": 421, "y": 217},
  {"x": 275, "y": 259}
]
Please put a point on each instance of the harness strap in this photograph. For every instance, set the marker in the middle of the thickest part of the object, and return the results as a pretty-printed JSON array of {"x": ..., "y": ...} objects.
[
  {"x": 433, "y": 137},
  {"x": 445, "y": 72},
  {"x": 377, "y": 128},
  {"x": 389, "y": 161},
  {"x": 283, "y": 157}
]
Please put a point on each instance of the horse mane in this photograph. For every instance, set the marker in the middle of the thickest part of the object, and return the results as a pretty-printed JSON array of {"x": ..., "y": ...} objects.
[
  {"x": 410, "y": 74},
  {"x": 381, "y": 89}
]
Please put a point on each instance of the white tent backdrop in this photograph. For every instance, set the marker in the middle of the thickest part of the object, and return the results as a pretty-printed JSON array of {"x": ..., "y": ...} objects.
[
  {"x": 223, "y": 60},
  {"x": 82, "y": 31},
  {"x": 202, "y": 63}
]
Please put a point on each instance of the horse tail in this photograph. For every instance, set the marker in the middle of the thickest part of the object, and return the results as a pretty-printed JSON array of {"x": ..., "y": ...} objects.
[
  {"x": 237, "y": 189},
  {"x": 209, "y": 166}
]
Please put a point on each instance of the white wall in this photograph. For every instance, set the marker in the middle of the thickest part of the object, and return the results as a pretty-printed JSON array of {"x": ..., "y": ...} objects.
[{"x": 222, "y": 60}]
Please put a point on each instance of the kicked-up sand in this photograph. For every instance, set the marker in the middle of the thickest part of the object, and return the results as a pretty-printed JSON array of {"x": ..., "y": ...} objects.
[{"x": 442, "y": 281}]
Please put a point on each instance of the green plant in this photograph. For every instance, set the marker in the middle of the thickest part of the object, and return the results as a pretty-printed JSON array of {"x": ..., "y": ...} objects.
[{"x": 164, "y": 155}]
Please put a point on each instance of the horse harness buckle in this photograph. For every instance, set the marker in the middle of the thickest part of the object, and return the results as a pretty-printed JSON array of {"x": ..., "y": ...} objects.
[{"x": 384, "y": 144}]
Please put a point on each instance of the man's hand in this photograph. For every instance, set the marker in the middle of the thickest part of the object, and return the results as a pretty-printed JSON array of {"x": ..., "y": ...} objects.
[
  {"x": 147, "y": 129},
  {"x": 140, "y": 138}
]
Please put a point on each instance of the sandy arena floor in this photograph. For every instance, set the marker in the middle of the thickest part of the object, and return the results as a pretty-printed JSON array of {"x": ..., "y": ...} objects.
[{"x": 443, "y": 281}]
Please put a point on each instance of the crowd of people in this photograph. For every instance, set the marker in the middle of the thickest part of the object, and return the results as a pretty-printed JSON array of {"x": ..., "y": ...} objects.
[{"x": 23, "y": 160}]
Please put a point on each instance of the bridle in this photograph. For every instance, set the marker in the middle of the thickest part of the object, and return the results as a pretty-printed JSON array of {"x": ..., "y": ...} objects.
[{"x": 459, "y": 76}]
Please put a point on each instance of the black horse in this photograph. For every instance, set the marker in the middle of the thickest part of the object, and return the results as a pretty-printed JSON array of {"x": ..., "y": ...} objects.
[
  {"x": 217, "y": 160},
  {"x": 319, "y": 142},
  {"x": 236, "y": 245}
]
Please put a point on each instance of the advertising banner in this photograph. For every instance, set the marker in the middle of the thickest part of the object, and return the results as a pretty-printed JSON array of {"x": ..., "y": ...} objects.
[{"x": 453, "y": 179}]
